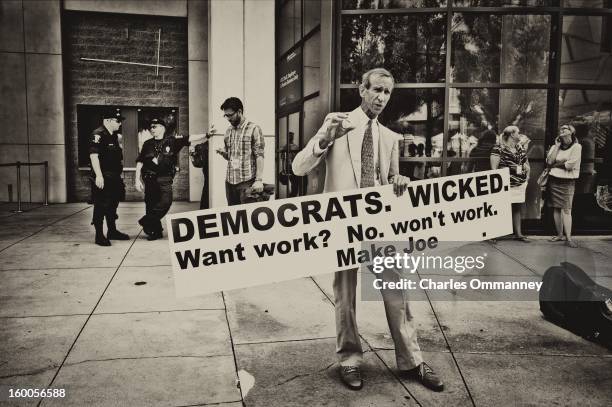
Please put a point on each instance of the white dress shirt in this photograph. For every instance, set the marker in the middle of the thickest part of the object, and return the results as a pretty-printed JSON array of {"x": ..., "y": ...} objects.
[{"x": 360, "y": 121}]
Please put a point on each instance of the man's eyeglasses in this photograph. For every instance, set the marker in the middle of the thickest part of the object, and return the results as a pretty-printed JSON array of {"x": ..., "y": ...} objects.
[{"x": 228, "y": 115}]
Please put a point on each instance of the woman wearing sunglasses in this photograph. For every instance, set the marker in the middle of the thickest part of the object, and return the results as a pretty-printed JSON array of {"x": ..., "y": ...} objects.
[{"x": 563, "y": 159}]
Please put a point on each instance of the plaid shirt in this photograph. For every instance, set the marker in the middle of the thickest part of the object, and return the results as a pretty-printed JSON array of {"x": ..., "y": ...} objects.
[{"x": 242, "y": 146}]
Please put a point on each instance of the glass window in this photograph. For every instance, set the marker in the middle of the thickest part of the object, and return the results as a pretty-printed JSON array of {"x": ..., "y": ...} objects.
[
  {"x": 588, "y": 3},
  {"x": 418, "y": 168},
  {"x": 477, "y": 116},
  {"x": 586, "y": 48},
  {"x": 417, "y": 114},
  {"x": 312, "y": 52},
  {"x": 590, "y": 112},
  {"x": 280, "y": 155},
  {"x": 292, "y": 148},
  {"x": 504, "y": 3},
  {"x": 312, "y": 15},
  {"x": 474, "y": 111},
  {"x": 500, "y": 48},
  {"x": 290, "y": 24},
  {"x": 313, "y": 119},
  {"x": 411, "y": 47},
  {"x": 386, "y": 4}
]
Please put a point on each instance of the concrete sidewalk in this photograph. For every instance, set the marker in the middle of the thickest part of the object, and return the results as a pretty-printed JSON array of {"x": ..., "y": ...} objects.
[{"x": 104, "y": 324}]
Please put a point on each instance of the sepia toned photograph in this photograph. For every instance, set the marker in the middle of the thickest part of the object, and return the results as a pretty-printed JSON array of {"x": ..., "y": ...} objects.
[{"x": 306, "y": 203}]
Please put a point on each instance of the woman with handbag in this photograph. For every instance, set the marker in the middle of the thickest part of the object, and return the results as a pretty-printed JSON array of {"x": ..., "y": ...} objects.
[{"x": 563, "y": 161}]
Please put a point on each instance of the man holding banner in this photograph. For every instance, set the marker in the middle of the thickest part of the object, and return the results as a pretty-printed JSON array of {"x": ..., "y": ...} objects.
[{"x": 372, "y": 151}]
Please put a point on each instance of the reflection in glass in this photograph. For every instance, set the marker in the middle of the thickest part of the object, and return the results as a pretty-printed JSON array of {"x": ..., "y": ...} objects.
[
  {"x": 586, "y": 48},
  {"x": 281, "y": 143},
  {"x": 386, "y": 4},
  {"x": 477, "y": 116},
  {"x": 504, "y": 3},
  {"x": 474, "y": 111},
  {"x": 312, "y": 49},
  {"x": 411, "y": 47},
  {"x": 417, "y": 114},
  {"x": 290, "y": 24},
  {"x": 418, "y": 170},
  {"x": 312, "y": 14},
  {"x": 312, "y": 121},
  {"x": 590, "y": 112},
  {"x": 494, "y": 48},
  {"x": 588, "y": 3}
]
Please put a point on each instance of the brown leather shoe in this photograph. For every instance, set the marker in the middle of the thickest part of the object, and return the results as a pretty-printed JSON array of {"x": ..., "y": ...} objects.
[
  {"x": 351, "y": 377},
  {"x": 428, "y": 378}
]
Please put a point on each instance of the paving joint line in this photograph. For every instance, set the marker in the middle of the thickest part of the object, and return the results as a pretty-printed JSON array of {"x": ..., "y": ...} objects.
[
  {"x": 89, "y": 317},
  {"x": 42, "y": 316},
  {"x": 467, "y": 388},
  {"x": 148, "y": 358},
  {"x": 397, "y": 378},
  {"x": 566, "y": 355},
  {"x": 211, "y": 404},
  {"x": 43, "y": 228},
  {"x": 229, "y": 329},
  {"x": 158, "y": 311},
  {"x": 516, "y": 260},
  {"x": 285, "y": 341}
]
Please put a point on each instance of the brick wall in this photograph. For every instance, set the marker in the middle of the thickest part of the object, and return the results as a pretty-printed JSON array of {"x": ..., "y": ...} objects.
[{"x": 130, "y": 38}]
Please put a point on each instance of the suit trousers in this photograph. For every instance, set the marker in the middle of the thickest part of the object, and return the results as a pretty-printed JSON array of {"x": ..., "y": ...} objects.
[{"x": 348, "y": 346}]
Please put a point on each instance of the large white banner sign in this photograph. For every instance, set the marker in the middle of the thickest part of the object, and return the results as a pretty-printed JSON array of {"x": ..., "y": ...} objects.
[{"x": 259, "y": 243}]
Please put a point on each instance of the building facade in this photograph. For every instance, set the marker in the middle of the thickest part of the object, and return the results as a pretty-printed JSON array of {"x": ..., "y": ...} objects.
[
  {"x": 463, "y": 69},
  {"x": 63, "y": 61}
]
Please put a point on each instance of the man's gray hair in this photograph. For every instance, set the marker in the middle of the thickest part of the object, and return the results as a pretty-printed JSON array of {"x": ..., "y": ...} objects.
[{"x": 365, "y": 79}]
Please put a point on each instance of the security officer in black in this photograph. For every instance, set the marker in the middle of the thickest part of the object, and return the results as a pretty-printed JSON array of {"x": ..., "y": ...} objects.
[
  {"x": 156, "y": 165},
  {"x": 108, "y": 189}
]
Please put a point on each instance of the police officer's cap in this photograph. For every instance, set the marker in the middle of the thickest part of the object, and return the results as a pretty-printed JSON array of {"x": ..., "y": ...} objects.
[
  {"x": 112, "y": 113},
  {"x": 157, "y": 121}
]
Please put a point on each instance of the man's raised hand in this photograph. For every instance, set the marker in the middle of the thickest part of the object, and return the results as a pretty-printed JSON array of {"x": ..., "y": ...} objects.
[{"x": 338, "y": 126}]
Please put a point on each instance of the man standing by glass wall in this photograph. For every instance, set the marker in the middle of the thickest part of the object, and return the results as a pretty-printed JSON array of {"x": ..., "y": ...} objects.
[{"x": 359, "y": 152}]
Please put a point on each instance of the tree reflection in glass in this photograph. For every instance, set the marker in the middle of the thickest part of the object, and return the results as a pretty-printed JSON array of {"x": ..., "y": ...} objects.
[
  {"x": 389, "y": 4},
  {"x": 412, "y": 47},
  {"x": 500, "y": 48}
]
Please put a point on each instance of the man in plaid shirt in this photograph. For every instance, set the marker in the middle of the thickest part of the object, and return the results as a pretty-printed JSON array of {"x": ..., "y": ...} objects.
[{"x": 244, "y": 152}]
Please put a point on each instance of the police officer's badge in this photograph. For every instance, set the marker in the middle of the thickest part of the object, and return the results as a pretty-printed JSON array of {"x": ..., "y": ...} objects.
[
  {"x": 167, "y": 149},
  {"x": 96, "y": 138}
]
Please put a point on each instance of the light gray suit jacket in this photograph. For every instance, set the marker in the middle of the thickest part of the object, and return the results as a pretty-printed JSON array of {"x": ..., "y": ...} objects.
[{"x": 343, "y": 158}]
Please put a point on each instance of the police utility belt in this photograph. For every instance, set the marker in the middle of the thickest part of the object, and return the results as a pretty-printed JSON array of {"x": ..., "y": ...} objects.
[{"x": 148, "y": 176}]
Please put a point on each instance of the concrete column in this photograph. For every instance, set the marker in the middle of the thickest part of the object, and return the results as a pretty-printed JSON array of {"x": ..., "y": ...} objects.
[
  {"x": 197, "y": 50},
  {"x": 241, "y": 64},
  {"x": 33, "y": 103}
]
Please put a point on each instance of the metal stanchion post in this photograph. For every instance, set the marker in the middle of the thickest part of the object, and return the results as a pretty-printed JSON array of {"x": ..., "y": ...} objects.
[
  {"x": 19, "y": 187},
  {"x": 46, "y": 183}
]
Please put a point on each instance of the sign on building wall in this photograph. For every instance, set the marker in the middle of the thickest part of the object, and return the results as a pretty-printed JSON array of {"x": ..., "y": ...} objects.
[{"x": 290, "y": 78}]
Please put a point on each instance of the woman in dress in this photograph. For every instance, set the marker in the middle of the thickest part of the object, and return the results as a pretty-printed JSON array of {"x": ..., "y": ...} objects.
[
  {"x": 563, "y": 160},
  {"x": 509, "y": 154}
]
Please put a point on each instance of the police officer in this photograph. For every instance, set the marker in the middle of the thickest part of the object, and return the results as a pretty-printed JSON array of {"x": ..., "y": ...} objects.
[
  {"x": 108, "y": 189},
  {"x": 156, "y": 166}
]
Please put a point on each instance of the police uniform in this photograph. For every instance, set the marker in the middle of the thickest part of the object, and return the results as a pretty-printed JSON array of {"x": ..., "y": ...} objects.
[
  {"x": 106, "y": 200},
  {"x": 159, "y": 159}
]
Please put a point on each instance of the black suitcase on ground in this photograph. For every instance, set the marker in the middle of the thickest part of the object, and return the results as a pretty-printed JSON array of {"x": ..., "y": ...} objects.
[{"x": 571, "y": 299}]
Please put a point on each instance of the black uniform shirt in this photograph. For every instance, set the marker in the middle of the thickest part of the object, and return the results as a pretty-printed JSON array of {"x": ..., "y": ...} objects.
[
  {"x": 165, "y": 151},
  {"x": 109, "y": 151}
]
